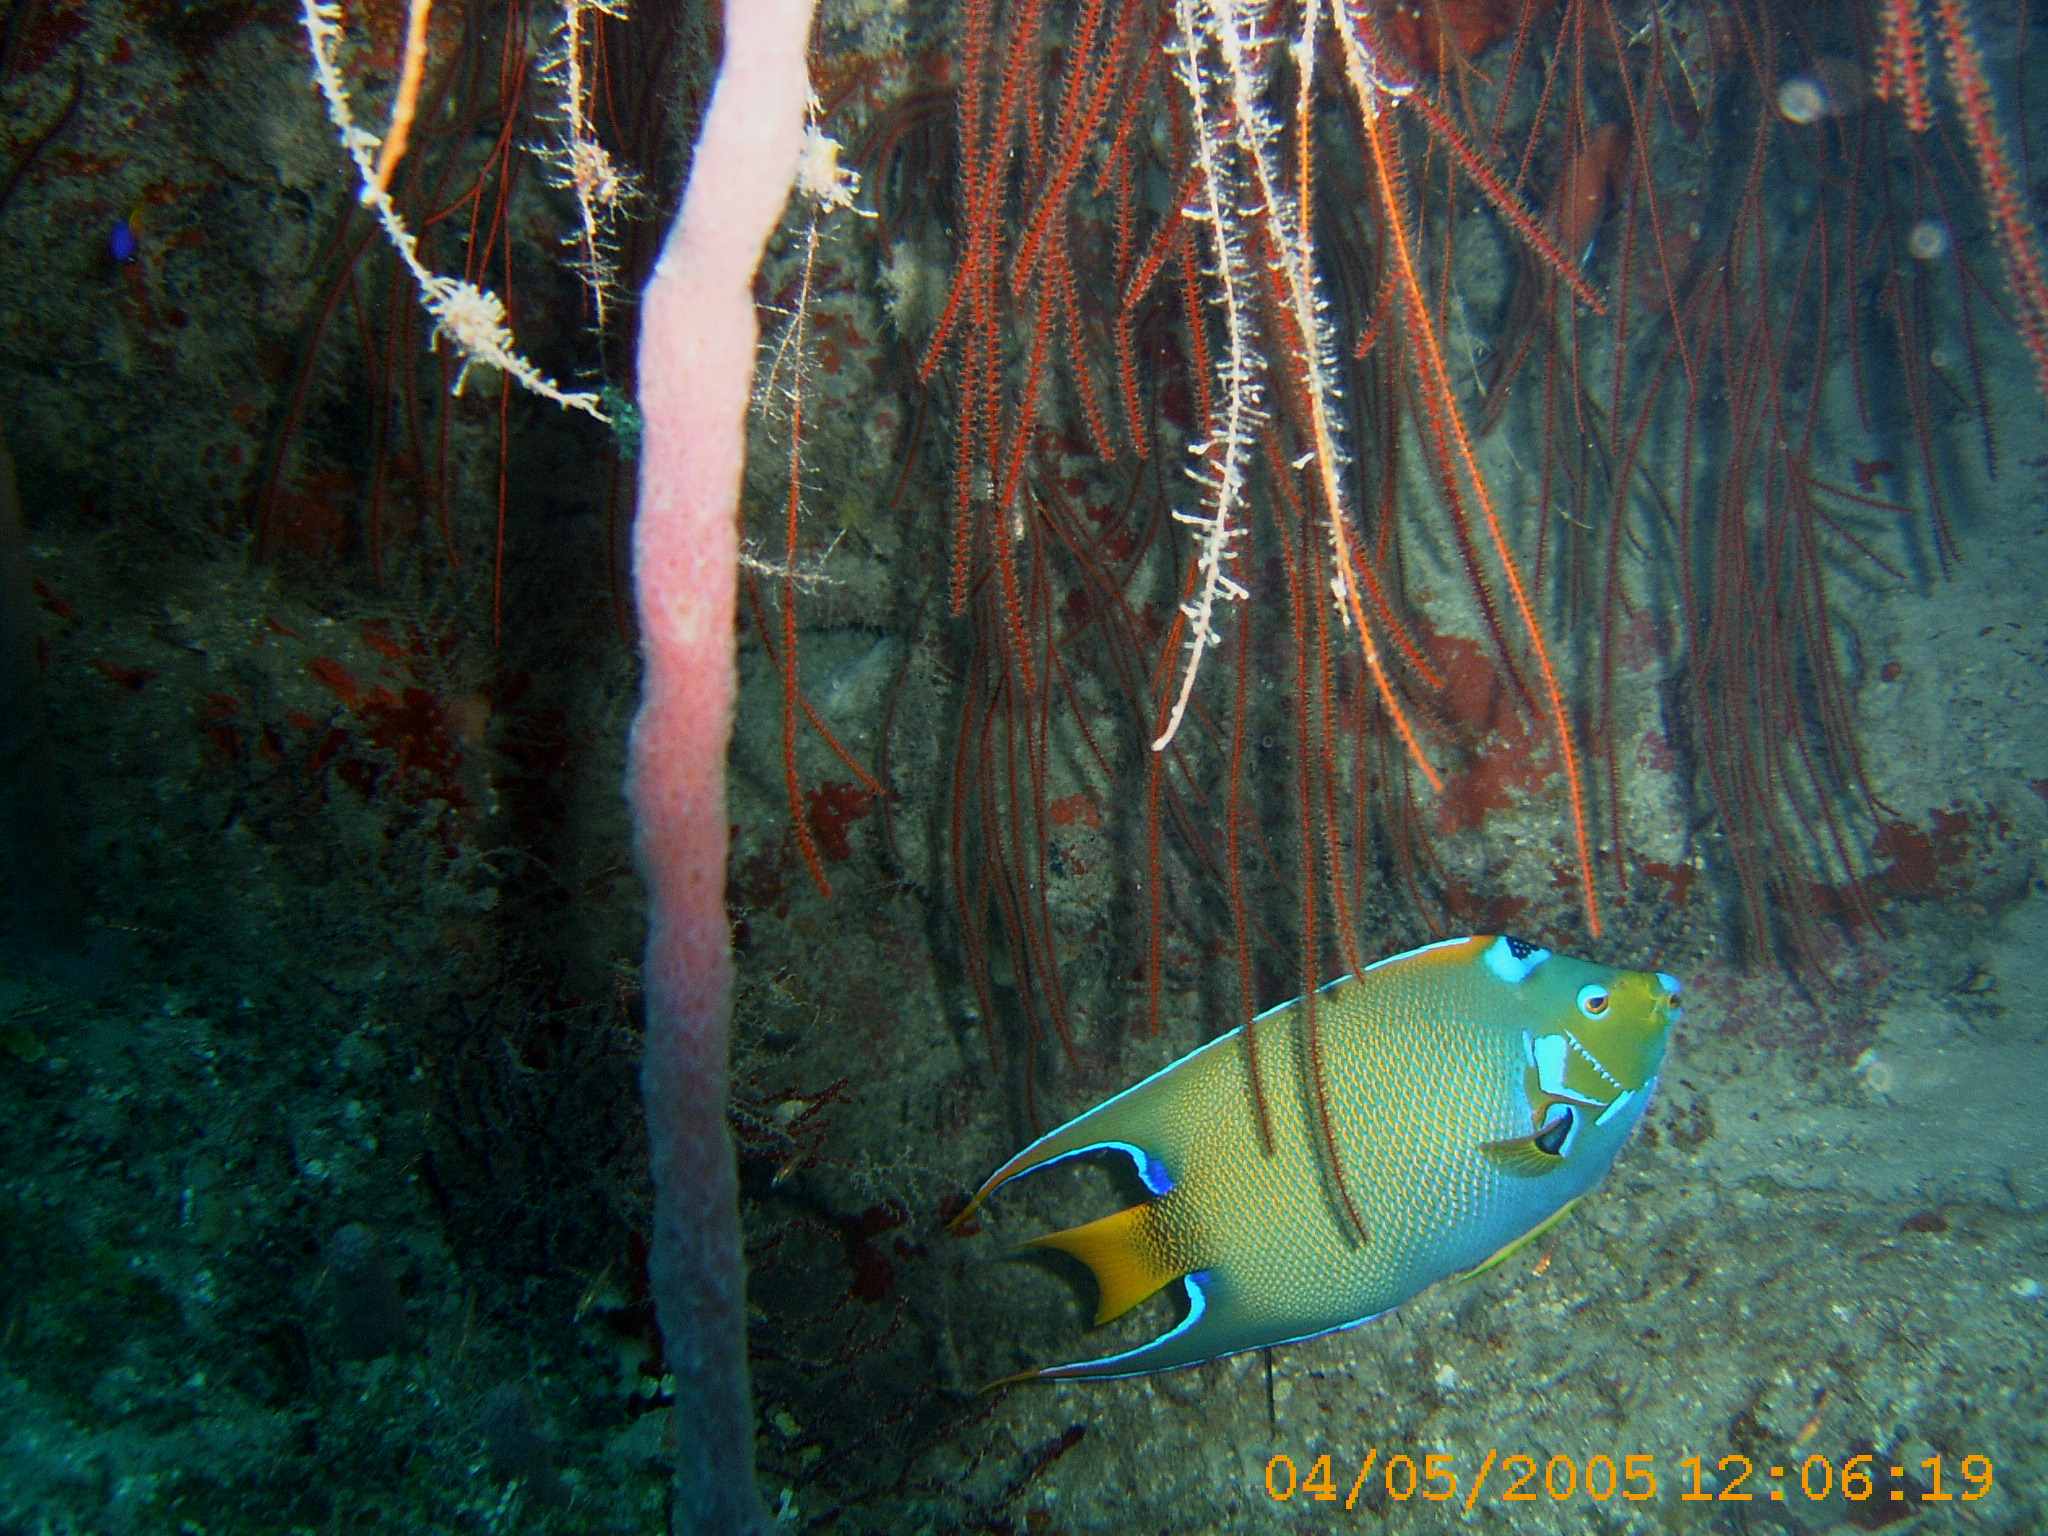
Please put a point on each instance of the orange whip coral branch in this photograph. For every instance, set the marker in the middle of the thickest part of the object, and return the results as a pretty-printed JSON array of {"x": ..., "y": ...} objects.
[
  {"x": 2002, "y": 200},
  {"x": 1506, "y": 203},
  {"x": 698, "y": 337},
  {"x": 1902, "y": 64},
  {"x": 1436, "y": 383},
  {"x": 407, "y": 101},
  {"x": 1079, "y": 139}
]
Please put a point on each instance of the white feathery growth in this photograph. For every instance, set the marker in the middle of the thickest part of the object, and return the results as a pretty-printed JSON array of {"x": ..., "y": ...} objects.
[
  {"x": 580, "y": 164},
  {"x": 782, "y": 382},
  {"x": 1221, "y": 460},
  {"x": 1237, "y": 141},
  {"x": 472, "y": 318},
  {"x": 1314, "y": 349},
  {"x": 819, "y": 175},
  {"x": 828, "y": 187}
]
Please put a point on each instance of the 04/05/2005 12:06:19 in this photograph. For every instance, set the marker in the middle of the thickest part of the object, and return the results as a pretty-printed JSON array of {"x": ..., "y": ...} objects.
[{"x": 1863, "y": 1478}]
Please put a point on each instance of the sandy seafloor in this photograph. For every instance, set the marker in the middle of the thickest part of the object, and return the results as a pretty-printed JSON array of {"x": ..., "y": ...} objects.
[{"x": 314, "y": 1198}]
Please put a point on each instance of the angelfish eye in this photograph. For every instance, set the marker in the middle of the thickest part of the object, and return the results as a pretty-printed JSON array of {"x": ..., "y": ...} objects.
[{"x": 1593, "y": 1000}]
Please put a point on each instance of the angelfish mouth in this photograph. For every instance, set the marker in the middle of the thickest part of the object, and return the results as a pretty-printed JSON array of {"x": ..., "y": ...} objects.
[
  {"x": 1550, "y": 1056},
  {"x": 1668, "y": 999},
  {"x": 1596, "y": 1063}
]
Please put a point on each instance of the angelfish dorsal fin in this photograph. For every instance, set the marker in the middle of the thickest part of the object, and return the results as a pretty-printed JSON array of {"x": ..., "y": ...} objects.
[{"x": 1124, "y": 1253}]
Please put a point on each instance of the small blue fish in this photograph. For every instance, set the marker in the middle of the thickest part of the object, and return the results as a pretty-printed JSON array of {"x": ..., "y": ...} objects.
[{"x": 124, "y": 243}]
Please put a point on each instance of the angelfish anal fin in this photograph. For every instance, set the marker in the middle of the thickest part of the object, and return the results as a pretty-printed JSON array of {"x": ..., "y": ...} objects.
[
  {"x": 1508, "y": 1250},
  {"x": 1124, "y": 1254}
]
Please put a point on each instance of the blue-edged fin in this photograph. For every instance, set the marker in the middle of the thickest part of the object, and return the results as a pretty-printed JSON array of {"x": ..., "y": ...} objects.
[
  {"x": 1134, "y": 1122},
  {"x": 1508, "y": 1250},
  {"x": 1131, "y": 1261},
  {"x": 1212, "y": 1327},
  {"x": 1219, "y": 1322},
  {"x": 1125, "y": 1255}
]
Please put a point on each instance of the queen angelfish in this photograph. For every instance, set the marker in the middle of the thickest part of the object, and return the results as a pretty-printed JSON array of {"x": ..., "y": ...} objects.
[{"x": 1475, "y": 1090}]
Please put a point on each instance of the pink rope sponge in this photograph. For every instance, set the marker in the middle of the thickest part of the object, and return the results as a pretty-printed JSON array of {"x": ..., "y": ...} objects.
[{"x": 698, "y": 336}]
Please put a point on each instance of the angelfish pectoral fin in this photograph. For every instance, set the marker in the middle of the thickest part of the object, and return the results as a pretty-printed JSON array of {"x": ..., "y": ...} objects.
[
  {"x": 1522, "y": 1158},
  {"x": 1530, "y": 1157},
  {"x": 1125, "y": 1255}
]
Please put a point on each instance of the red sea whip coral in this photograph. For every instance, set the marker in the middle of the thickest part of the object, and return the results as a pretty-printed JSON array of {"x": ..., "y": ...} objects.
[{"x": 698, "y": 336}]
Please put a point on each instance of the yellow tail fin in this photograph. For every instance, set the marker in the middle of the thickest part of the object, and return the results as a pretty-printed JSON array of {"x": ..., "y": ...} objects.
[{"x": 1125, "y": 1254}]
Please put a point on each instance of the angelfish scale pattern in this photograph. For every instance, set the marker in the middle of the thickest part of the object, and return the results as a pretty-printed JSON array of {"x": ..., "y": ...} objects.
[
  {"x": 1419, "y": 1081},
  {"x": 1400, "y": 1080}
]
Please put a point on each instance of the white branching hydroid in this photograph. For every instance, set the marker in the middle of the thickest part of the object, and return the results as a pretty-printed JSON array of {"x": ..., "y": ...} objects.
[
  {"x": 472, "y": 318},
  {"x": 1220, "y": 460}
]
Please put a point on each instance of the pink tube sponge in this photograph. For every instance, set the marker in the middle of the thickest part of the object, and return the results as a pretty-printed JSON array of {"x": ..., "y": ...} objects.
[{"x": 698, "y": 336}]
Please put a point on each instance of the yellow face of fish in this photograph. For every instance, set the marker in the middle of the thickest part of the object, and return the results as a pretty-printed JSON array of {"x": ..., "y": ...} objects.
[{"x": 1603, "y": 1043}]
